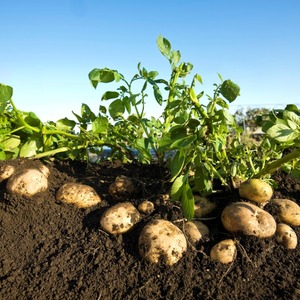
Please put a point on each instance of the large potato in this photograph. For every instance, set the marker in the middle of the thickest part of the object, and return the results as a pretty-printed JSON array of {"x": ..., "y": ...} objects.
[
  {"x": 248, "y": 219},
  {"x": 288, "y": 211},
  {"x": 161, "y": 239},
  {"x": 27, "y": 183},
  {"x": 286, "y": 236},
  {"x": 80, "y": 195},
  {"x": 195, "y": 231},
  {"x": 119, "y": 218},
  {"x": 224, "y": 251},
  {"x": 255, "y": 190}
]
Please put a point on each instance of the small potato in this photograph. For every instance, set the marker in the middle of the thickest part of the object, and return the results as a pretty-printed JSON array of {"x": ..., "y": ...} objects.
[
  {"x": 195, "y": 231},
  {"x": 248, "y": 219},
  {"x": 286, "y": 236},
  {"x": 224, "y": 251},
  {"x": 203, "y": 206},
  {"x": 161, "y": 239},
  {"x": 255, "y": 190},
  {"x": 119, "y": 218},
  {"x": 146, "y": 207},
  {"x": 122, "y": 187},
  {"x": 6, "y": 171},
  {"x": 80, "y": 195},
  {"x": 27, "y": 183},
  {"x": 288, "y": 211}
]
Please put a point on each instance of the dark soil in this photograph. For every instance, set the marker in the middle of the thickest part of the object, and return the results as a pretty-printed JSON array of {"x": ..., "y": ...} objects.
[{"x": 51, "y": 250}]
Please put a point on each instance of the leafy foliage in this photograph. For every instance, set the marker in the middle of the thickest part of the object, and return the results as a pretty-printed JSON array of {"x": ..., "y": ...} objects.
[{"x": 200, "y": 142}]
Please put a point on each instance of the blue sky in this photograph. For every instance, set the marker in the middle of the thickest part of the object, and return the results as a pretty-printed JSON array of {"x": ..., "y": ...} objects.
[{"x": 49, "y": 47}]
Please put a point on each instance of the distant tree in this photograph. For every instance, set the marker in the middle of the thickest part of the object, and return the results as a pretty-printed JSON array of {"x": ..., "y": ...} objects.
[{"x": 251, "y": 119}]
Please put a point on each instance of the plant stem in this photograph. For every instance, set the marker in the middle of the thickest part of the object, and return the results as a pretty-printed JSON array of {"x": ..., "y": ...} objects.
[{"x": 275, "y": 165}]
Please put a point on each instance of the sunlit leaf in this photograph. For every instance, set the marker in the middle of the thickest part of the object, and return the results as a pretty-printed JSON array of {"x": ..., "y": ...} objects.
[
  {"x": 100, "y": 125},
  {"x": 164, "y": 46},
  {"x": 65, "y": 124},
  {"x": 176, "y": 165},
  {"x": 110, "y": 95},
  {"x": 116, "y": 108}
]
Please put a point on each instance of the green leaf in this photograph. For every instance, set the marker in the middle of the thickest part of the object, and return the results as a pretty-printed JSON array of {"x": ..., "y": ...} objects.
[
  {"x": 6, "y": 92},
  {"x": 116, "y": 109},
  {"x": 65, "y": 124},
  {"x": 11, "y": 142},
  {"x": 29, "y": 149},
  {"x": 164, "y": 46},
  {"x": 177, "y": 165},
  {"x": 157, "y": 94},
  {"x": 187, "y": 202},
  {"x": 282, "y": 133},
  {"x": 289, "y": 115},
  {"x": 230, "y": 90},
  {"x": 100, "y": 125},
  {"x": 101, "y": 75},
  {"x": 175, "y": 57},
  {"x": 86, "y": 113},
  {"x": 110, "y": 95},
  {"x": 177, "y": 187},
  {"x": 183, "y": 142}
]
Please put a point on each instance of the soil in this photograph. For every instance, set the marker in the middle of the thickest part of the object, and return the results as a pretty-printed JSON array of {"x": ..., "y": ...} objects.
[{"x": 52, "y": 250}]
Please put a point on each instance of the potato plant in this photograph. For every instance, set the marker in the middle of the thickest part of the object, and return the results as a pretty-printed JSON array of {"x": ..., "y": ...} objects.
[{"x": 200, "y": 140}]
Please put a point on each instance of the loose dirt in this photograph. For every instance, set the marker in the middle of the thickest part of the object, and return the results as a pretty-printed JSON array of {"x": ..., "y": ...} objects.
[{"x": 51, "y": 250}]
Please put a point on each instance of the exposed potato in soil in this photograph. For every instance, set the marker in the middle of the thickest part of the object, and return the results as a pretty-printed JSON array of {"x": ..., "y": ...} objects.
[
  {"x": 119, "y": 218},
  {"x": 80, "y": 195},
  {"x": 286, "y": 236},
  {"x": 288, "y": 211},
  {"x": 224, "y": 251},
  {"x": 248, "y": 219},
  {"x": 27, "y": 183},
  {"x": 203, "y": 206},
  {"x": 195, "y": 231},
  {"x": 255, "y": 190},
  {"x": 6, "y": 171},
  {"x": 162, "y": 240},
  {"x": 146, "y": 207},
  {"x": 122, "y": 187}
]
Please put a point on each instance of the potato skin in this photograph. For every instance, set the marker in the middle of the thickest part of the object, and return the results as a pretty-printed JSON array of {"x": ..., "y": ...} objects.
[
  {"x": 80, "y": 195},
  {"x": 224, "y": 251},
  {"x": 255, "y": 190},
  {"x": 119, "y": 218},
  {"x": 27, "y": 183},
  {"x": 288, "y": 211},
  {"x": 161, "y": 239},
  {"x": 195, "y": 231},
  {"x": 248, "y": 219},
  {"x": 286, "y": 236},
  {"x": 122, "y": 187}
]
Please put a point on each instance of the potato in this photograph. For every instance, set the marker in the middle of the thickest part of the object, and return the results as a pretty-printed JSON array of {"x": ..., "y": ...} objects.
[
  {"x": 122, "y": 187},
  {"x": 27, "y": 183},
  {"x": 203, "y": 206},
  {"x": 256, "y": 190},
  {"x": 119, "y": 218},
  {"x": 224, "y": 251},
  {"x": 288, "y": 211},
  {"x": 80, "y": 195},
  {"x": 146, "y": 207},
  {"x": 286, "y": 236},
  {"x": 162, "y": 240},
  {"x": 195, "y": 231},
  {"x": 6, "y": 171},
  {"x": 248, "y": 219}
]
